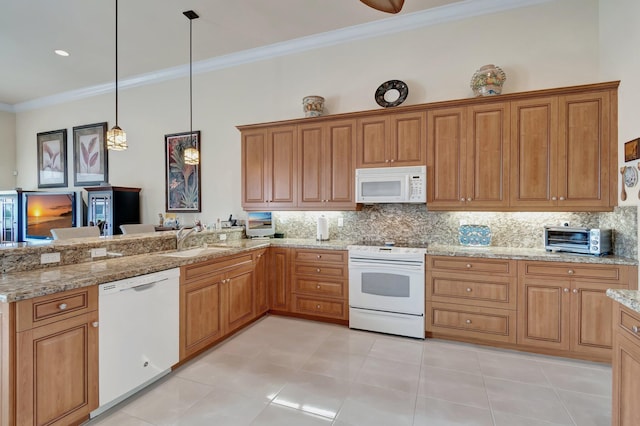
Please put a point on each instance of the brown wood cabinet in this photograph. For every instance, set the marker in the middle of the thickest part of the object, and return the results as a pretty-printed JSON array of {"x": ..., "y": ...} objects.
[
  {"x": 262, "y": 281},
  {"x": 471, "y": 298},
  {"x": 563, "y": 307},
  {"x": 280, "y": 278},
  {"x": 396, "y": 139},
  {"x": 626, "y": 366},
  {"x": 56, "y": 358},
  {"x": 269, "y": 168},
  {"x": 468, "y": 157},
  {"x": 216, "y": 297},
  {"x": 326, "y": 165},
  {"x": 320, "y": 283}
]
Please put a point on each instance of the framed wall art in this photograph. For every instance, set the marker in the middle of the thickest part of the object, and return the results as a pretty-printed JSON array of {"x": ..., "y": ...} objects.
[
  {"x": 52, "y": 159},
  {"x": 182, "y": 179},
  {"x": 632, "y": 150},
  {"x": 90, "y": 155}
]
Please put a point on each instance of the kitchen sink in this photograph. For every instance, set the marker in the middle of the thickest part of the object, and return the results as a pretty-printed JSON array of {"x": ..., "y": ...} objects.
[{"x": 198, "y": 251}]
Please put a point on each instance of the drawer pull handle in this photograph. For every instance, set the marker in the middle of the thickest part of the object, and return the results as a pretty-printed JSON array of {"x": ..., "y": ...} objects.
[
  {"x": 468, "y": 265},
  {"x": 570, "y": 272},
  {"x": 468, "y": 289},
  {"x": 566, "y": 290},
  {"x": 62, "y": 306},
  {"x": 635, "y": 329},
  {"x": 468, "y": 321}
]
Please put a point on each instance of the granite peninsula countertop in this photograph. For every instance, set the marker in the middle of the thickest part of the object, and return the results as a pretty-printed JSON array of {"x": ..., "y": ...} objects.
[
  {"x": 15, "y": 286},
  {"x": 629, "y": 298}
]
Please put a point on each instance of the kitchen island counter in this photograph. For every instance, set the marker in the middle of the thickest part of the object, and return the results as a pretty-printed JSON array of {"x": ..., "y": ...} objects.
[{"x": 628, "y": 298}]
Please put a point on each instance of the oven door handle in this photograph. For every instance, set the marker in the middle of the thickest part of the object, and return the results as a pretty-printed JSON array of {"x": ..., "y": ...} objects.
[{"x": 385, "y": 265}]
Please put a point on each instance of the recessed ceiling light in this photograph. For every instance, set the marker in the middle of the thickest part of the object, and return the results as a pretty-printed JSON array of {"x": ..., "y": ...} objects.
[{"x": 61, "y": 52}]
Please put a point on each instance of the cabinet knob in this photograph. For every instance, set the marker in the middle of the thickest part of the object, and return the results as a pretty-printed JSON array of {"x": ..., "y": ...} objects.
[
  {"x": 468, "y": 265},
  {"x": 462, "y": 199},
  {"x": 561, "y": 198},
  {"x": 574, "y": 291},
  {"x": 95, "y": 324},
  {"x": 553, "y": 198},
  {"x": 62, "y": 306},
  {"x": 318, "y": 286},
  {"x": 566, "y": 290},
  {"x": 468, "y": 289},
  {"x": 469, "y": 199},
  {"x": 635, "y": 329},
  {"x": 570, "y": 272},
  {"x": 468, "y": 321},
  {"x": 386, "y": 161},
  {"x": 319, "y": 256},
  {"x": 317, "y": 306},
  {"x": 392, "y": 160},
  {"x": 318, "y": 270},
  {"x": 260, "y": 255}
]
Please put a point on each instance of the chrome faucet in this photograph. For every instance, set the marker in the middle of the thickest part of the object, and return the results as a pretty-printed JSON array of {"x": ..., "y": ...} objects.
[{"x": 182, "y": 235}]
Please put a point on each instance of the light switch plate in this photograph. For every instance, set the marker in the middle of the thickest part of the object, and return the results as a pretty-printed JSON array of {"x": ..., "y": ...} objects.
[
  {"x": 340, "y": 222},
  {"x": 98, "y": 252},
  {"x": 49, "y": 258},
  {"x": 222, "y": 237}
]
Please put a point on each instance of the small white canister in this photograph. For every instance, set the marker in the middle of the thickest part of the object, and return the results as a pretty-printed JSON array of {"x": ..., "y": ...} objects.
[{"x": 322, "y": 233}]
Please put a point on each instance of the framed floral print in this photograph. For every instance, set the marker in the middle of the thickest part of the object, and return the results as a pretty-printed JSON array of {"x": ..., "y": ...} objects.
[
  {"x": 182, "y": 179},
  {"x": 52, "y": 159},
  {"x": 90, "y": 155}
]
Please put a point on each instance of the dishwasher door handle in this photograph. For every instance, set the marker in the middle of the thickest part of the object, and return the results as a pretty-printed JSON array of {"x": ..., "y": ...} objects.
[{"x": 146, "y": 286}]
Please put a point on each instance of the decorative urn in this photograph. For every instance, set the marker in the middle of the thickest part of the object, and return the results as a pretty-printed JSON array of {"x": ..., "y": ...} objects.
[
  {"x": 313, "y": 106},
  {"x": 488, "y": 80}
]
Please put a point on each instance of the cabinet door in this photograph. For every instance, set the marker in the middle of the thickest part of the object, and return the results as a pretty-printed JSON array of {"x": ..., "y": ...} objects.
[
  {"x": 255, "y": 170},
  {"x": 311, "y": 139},
  {"x": 280, "y": 278},
  {"x": 543, "y": 313},
  {"x": 592, "y": 318},
  {"x": 261, "y": 280},
  {"x": 626, "y": 386},
  {"x": 57, "y": 372},
  {"x": 408, "y": 139},
  {"x": 240, "y": 297},
  {"x": 283, "y": 165},
  {"x": 584, "y": 151},
  {"x": 446, "y": 165},
  {"x": 200, "y": 315},
  {"x": 534, "y": 147},
  {"x": 487, "y": 156},
  {"x": 373, "y": 133},
  {"x": 339, "y": 165}
]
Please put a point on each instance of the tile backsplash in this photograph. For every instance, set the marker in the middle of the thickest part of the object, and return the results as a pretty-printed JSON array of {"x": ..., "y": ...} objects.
[{"x": 413, "y": 223}]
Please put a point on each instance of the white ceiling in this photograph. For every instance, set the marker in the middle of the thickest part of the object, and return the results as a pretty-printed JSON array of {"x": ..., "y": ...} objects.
[{"x": 153, "y": 35}]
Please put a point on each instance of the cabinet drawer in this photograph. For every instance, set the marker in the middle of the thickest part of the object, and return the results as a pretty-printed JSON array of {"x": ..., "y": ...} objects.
[
  {"x": 320, "y": 256},
  {"x": 499, "y": 292},
  {"x": 472, "y": 264},
  {"x": 55, "y": 307},
  {"x": 321, "y": 271},
  {"x": 320, "y": 287},
  {"x": 472, "y": 322},
  {"x": 629, "y": 321},
  {"x": 602, "y": 273},
  {"x": 319, "y": 307},
  {"x": 197, "y": 270}
]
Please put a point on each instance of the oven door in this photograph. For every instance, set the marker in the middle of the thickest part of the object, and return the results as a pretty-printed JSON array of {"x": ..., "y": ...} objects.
[{"x": 388, "y": 287}]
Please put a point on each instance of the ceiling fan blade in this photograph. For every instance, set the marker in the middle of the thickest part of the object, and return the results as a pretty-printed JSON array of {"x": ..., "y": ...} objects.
[{"x": 389, "y": 6}]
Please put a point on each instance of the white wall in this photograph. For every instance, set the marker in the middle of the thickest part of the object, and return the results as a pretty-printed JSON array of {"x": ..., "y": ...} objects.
[
  {"x": 550, "y": 45},
  {"x": 7, "y": 150}
]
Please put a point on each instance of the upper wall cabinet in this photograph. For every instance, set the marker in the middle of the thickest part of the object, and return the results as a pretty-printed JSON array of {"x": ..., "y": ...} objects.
[
  {"x": 269, "y": 168},
  {"x": 391, "y": 140}
]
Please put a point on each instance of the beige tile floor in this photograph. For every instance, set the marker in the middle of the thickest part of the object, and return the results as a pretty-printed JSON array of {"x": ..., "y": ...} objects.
[{"x": 284, "y": 371}]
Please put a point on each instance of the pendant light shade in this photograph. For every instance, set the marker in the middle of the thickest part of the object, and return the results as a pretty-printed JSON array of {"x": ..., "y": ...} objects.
[
  {"x": 191, "y": 154},
  {"x": 389, "y": 6},
  {"x": 116, "y": 137}
]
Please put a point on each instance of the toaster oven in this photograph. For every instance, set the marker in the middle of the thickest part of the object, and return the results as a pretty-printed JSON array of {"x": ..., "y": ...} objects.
[{"x": 595, "y": 242}]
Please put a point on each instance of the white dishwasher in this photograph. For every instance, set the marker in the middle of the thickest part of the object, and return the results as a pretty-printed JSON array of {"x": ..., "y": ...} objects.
[{"x": 138, "y": 334}]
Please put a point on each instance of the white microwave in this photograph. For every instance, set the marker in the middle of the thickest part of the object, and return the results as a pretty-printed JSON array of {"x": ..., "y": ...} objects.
[{"x": 391, "y": 185}]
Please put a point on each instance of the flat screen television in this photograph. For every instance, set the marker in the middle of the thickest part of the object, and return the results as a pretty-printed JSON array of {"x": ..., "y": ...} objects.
[
  {"x": 260, "y": 224},
  {"x": 44, "y": 211}
]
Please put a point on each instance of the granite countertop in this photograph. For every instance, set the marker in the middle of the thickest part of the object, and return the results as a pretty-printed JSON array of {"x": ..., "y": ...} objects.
[
  {"x": 15, "y": 286},
  {"x": 629, "y": 298}
]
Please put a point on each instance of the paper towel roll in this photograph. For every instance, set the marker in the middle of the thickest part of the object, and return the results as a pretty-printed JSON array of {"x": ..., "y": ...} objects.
[{"x": 322, "y": 233}]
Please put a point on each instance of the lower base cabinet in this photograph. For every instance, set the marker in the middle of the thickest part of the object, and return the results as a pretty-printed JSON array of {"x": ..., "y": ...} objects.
[
  {"x": 56, "y": 358},
  {"x": 626, "y": 367}
]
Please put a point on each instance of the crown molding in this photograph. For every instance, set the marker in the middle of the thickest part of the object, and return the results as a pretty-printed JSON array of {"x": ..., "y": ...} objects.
[
  {"x": 395, "y": 24},
  {"x": 7, "y": 108}
]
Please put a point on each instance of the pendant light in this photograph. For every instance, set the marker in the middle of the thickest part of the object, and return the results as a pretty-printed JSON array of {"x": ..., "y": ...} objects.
[
  {"x": 191, "y": 154},
  {"x": 389, "y": 6},
  {"x": 116, "y": 137}
]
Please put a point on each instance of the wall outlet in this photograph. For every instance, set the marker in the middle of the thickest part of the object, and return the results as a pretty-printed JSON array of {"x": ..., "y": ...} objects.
[
  {"x": 98, "y": 252},
  {"x": 463, "y": 222},
  {"x": 49, "y": 258},
  {"x": 222, "y": 237},
  {"x": 340, "y": 222}
]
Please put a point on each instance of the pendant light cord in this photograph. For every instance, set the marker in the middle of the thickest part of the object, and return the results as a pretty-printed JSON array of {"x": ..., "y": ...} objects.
[
  {"x": 116, "y": 63},
  {"x": 190, "y": 80}
]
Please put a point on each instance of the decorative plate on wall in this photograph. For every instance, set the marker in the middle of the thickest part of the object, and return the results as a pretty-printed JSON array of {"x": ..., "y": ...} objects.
[
  {"x": 391, "y": 93},
  {"x": 630, "y": 177}
]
